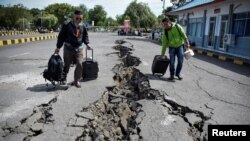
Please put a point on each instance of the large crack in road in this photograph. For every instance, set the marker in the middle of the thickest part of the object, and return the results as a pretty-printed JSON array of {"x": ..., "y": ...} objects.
[{"x": 118, "y": 113}]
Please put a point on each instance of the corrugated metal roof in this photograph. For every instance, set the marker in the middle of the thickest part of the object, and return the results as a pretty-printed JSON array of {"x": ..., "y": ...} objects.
[{"x": 192, "y": 4}]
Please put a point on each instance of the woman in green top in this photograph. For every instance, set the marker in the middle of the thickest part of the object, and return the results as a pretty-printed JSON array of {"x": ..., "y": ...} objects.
[{"x": 174, "y": 38}]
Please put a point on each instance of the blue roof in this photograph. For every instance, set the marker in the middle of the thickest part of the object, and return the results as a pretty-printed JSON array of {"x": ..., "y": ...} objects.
[{"x": 192, "y": 4}]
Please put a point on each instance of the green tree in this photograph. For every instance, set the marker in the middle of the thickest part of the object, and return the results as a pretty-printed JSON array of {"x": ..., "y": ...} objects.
[
  {"x": 35, "y": 11},
  {"x": 84, "y": 11},
  {"x": 46, "y": 20},
  {"x": 62, "y": 11},
  {"x": 140, "y": 15},
  {"x": 110, "y": 22},
  {"x": 159, "y": 19},
  {"x": 98, "y": 15},
  {"x": 171, "y": 17},
  {"x": 119, "y": 19},
  {"x": 2, "y": 13},
  {"x": 22, "y": 23},
  {"x": 180, "y": 3},
  {"x": 49, "y": 21},
  {"x": 10, "y": 16},
  {"x": 38, "y": 20}
]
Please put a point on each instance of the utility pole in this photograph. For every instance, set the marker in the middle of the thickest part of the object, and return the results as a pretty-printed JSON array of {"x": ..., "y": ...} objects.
[
  {"x": 41, "y": 18},
  {"x": 163, "y": 6},
  {"x": 23, "y": 23},
  {"x": 108, "y": 25}
]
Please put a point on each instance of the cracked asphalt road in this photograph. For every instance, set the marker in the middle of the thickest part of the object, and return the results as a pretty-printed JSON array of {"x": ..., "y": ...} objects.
[{"x": 220, "y": 90}]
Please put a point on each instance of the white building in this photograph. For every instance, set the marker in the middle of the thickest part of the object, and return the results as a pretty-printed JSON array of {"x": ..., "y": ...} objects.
[{"x": 220, "y": 26}]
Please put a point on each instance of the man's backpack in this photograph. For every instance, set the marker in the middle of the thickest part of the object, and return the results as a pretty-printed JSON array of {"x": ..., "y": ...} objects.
[
  {"x": 54, "y": 73},
  {"x": 178, "y": 29}
]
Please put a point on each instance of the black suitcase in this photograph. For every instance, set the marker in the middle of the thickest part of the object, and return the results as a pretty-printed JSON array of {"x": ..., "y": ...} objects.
[
  {"x": 160, "y": 65},
  {"x": 90, "y": 68}
]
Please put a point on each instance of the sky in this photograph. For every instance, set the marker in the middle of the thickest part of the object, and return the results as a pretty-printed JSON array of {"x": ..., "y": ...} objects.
[{"x": 112, "y": 7}]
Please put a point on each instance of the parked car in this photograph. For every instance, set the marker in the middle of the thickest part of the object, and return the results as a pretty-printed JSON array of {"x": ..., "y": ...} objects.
[
  {"x": 157, "y": 36},
  {"x": 44, "y": 31},
  {"x": 121, "y": 32}
]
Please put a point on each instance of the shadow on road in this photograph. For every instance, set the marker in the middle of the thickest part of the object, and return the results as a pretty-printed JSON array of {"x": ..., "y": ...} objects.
[
  {"x": 145, "y": 40},
  {"x": 243, "y": 70},
  {"x": 88, "y": 79},
  {"x": 43, "y": 66},
  {"x": 158, "y": 77},
  {"x": 112, "y": 53},
  {"x": 47, "y": 88}
]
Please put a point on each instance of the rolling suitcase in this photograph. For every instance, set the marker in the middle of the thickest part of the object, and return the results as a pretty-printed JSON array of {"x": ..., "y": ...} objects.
[
  {"x": 90, "y": 67},
  {"x": 160, "y": 65}
]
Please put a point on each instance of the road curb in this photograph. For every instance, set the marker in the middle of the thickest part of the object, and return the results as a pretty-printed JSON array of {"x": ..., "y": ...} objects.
[
  {"x": 26, "y": 40},
  {"x": 223, "y": 57},
  {"x": 11, "y": 33}
]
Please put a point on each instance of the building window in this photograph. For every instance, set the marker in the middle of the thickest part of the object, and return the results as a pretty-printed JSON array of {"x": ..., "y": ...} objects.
[
  {"x": 211, "y": 33},
  {"x": 242, "y": 24},
  {"x": 195, "y": 29},
  {"x": 223, "y": 30}
]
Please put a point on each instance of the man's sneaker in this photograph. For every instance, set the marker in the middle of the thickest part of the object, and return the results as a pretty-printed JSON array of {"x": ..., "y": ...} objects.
[
  {"x": 64, "y": 82},
  {"x": 171, "y": 78},
  {"x": 179, "y": 77},
  {"x": 77, "y": 84}
]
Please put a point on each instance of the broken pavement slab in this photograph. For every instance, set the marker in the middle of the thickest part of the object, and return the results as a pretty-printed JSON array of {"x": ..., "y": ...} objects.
[
  {"x": 159, "y": 125},
  {"x": 14, "y": 137},
  {"x": 31, "y": 125},
  {"x": 131, "y": 114},
  {"x": 86, "y": 115},
  {"x": 193, "y": 118},
  {"x": 80, "y": 122}
]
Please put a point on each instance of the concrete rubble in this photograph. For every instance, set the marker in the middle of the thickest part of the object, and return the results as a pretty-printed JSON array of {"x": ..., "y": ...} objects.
[
  {"x": 118, "y": 114},
  {"x": 32, "y": 125}
]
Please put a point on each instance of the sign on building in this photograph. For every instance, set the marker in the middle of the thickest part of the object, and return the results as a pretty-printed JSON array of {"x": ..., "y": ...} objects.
[{"x": 126, "y": 25}]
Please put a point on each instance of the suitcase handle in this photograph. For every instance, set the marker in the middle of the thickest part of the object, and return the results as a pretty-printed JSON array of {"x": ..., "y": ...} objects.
[{"x": 92, "y": 54}]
